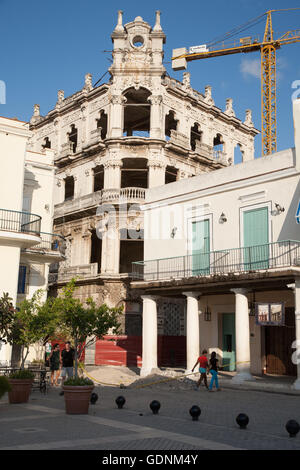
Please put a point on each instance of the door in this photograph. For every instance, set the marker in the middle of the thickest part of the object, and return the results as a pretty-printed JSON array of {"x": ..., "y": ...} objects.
[
  {"x": 200, "y": 247},
  {"x": 228, "y": 330},
  {"x": 256, "y": 239},
  {"x": 278, "y": 341}
]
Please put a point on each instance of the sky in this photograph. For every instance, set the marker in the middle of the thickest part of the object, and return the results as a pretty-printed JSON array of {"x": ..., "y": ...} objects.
[{"x": 47, "y": 45}]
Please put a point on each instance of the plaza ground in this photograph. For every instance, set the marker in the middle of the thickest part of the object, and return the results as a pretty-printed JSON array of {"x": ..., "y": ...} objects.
[{"x": 43, "y": 424}]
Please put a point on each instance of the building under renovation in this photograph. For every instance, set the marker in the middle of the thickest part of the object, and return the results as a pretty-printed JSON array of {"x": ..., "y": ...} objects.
[{"x": 113, "y": 141}]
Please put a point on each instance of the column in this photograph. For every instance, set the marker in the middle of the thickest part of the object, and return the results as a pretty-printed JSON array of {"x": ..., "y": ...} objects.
[
  {"x": 296, "y": 345},
  {"x": 155, "y": 117},
  {"x": 149, "y": 353},
  {"x": 192, "y": 329},
  {"x": 156, "y": 173},
  {"x": 110, "y": 257},
  {"x": 242, "y": 336},
  {"x": 116, "y": 116},
  {"x": 112, "y": 174}
]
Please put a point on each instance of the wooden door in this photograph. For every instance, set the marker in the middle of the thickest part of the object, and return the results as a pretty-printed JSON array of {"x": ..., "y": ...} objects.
[{"x": 278, "y": 340}]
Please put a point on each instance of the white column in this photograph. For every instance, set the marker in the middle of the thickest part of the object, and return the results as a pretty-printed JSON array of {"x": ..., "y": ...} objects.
[
  {"x": 155, "y": 117},
  {"x": 149, "y": 354},
  {"x": 156, "y": 174},
  {"x": 296, "y": 354},
  {"x": 192, "y": 329},
  {"x": 242, "y": 336}
]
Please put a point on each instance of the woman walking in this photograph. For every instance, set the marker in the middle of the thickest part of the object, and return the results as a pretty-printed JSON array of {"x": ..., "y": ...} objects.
[
  {"x": 54, "y": 360},
  {"x": 214, "y": 371}
]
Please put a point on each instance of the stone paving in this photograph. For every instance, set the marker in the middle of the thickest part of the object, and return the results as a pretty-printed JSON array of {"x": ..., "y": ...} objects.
[{"x": 43, "y": 424}]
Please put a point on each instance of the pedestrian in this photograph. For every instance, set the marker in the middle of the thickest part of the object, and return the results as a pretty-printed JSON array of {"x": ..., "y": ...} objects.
[
  {"x": 54, "y": 360},
  {"x": 214, "y": 371},
  {"x": 48, "y": 349},
  {"x": 67, "y": 362},
  {"x": 203, "y": 366}
]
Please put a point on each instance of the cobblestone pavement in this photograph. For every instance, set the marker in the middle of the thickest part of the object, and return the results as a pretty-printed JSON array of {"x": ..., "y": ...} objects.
[{"x": 43, "y": 424}]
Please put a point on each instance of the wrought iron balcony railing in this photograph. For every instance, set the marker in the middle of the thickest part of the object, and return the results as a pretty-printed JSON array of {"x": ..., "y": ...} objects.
[
  {"x": 22, "y": 222},
  {"x": 50, "y": 242},
  {"x": 232, "y": 261}
]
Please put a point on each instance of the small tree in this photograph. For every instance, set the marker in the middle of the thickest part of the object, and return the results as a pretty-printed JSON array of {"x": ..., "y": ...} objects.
[
  {"x": 82, "y": 323},
  {"x": 7, "y": 317},
  {"x": 32, "y": 323}
]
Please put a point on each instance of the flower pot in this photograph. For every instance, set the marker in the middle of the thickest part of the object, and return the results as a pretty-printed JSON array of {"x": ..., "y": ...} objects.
[
  {"x": 77, "y": 398},
  {"x": 21, "y": 389}
]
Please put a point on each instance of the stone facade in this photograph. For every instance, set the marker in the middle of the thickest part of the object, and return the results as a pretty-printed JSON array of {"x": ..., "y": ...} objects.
[{"x": 140, "y": 130}]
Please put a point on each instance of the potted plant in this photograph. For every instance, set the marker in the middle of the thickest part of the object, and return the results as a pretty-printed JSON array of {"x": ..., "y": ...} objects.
[
  {"x": 77, "y": 392},
  {"x": 21, "y": 383},
  {"x": 82, "y": 324},
  {"x": 4, "y": 386}
]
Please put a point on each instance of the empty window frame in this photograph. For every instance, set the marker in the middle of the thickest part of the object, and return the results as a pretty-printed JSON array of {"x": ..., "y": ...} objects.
[{"x": 137, "y": 111}]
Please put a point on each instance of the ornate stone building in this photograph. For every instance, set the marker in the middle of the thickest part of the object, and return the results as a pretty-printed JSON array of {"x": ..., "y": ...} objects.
[{"x": 113, "y": 141}]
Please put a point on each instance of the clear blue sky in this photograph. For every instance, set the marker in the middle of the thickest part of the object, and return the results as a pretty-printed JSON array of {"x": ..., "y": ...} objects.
[{"x": 50, "y": 45}]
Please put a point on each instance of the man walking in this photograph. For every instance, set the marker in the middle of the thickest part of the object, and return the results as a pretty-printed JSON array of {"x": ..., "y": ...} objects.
[
  {"x": 67, "y": 362},
  {"x": 203, "y": 365}
]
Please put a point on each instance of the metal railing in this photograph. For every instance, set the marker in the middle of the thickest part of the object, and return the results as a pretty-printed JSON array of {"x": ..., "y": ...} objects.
[
  {"x": 23, "y": 222},
  {"x": 50, "y": 242},
  {"x": 232, "y": 261}
]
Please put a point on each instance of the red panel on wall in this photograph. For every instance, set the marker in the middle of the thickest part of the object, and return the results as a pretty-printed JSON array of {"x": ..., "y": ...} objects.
[
  {"x": 127, "y": 351},
  {"x": 119, "y": 351}
]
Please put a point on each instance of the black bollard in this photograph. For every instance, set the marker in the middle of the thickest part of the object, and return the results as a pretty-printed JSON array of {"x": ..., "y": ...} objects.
[
  {"x": 120, "y": 401},
  {"x": 292, "y": 427},
  {"x": 94, "y": 398},
  {"x": 242, "y": 420},
  {"x": 155, "y": 406},
  {"x": 195, "y": 412}
]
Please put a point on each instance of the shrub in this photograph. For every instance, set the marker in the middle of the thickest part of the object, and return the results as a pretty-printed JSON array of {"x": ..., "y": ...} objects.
[
  {"x": 4, "y": 386},
  {"x": 81, "y": 381},
  {"x": 22, "y": 374}
]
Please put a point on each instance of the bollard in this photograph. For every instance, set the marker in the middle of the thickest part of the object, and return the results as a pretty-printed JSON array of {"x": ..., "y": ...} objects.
[
  {"x": 292, "y": 427},
  {"x": 242, "y": 420},
  {"x": 94, "y": 398},
  {"x": 120, "y": 401},
  {"x": 155, "y": 406},
  {"x": 195, "y": 412}
]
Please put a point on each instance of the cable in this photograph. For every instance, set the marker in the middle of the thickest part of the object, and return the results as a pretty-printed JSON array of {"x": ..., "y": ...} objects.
[{"x": 100, "y": 78}]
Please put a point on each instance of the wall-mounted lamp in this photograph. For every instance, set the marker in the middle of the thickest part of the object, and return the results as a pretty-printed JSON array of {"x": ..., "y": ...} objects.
[
  {"x": 279, "y": 208},
  {"x": 173, "y": 232},
  {"x": 207, "y": 313},
  {"x": 222, "y": 218}
]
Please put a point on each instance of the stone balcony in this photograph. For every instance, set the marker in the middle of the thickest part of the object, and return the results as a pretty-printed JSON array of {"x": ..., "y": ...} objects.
[
  {"x": 66, "y": 149},
  {"x": 114, "y": 195}
]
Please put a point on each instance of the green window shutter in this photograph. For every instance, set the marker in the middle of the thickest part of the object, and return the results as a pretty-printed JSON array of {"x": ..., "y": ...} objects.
[
  {"x": 256, "y": 238},
  {"x": 201, "y": 246}
]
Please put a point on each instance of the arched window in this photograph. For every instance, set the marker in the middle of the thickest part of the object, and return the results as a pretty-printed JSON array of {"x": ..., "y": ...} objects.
[
  {"x": 98, "y": 178},
  {"x": 69, "y": 188},
  {"x": 196, "y": 135},
  {"x": 171, "y": 174},
  {"x": 102, "y": 122},
  {"x": 219, "y": 146},
  {"x": 170, "y": 124},
  {"x": 238, "y": 154},
  {"x": 137, "y": 113},
  {"x": 72, "y": 136}
]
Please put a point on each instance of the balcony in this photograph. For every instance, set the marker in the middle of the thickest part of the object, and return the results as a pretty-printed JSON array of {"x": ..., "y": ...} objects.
[
  {"x": 19, "y": 228},
  {"x": 51, "y": 249},
  {"x": 81, "y": 271},
  {"x": 116, "y": 196},
  {"x": 220, "y": 262}
]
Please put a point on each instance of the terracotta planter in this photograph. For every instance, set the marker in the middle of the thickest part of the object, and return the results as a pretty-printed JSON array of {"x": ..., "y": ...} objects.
[
  {"x": 77, "y": 399},
  {"x": 21, "y": 389}
]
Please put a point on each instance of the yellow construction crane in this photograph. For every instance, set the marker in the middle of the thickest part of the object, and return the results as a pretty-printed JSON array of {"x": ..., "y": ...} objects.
[{"x": 267, "y": 47}]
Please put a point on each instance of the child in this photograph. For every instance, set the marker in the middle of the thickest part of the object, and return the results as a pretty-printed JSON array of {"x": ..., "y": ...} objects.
[{"x": 203, "y": 363}]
